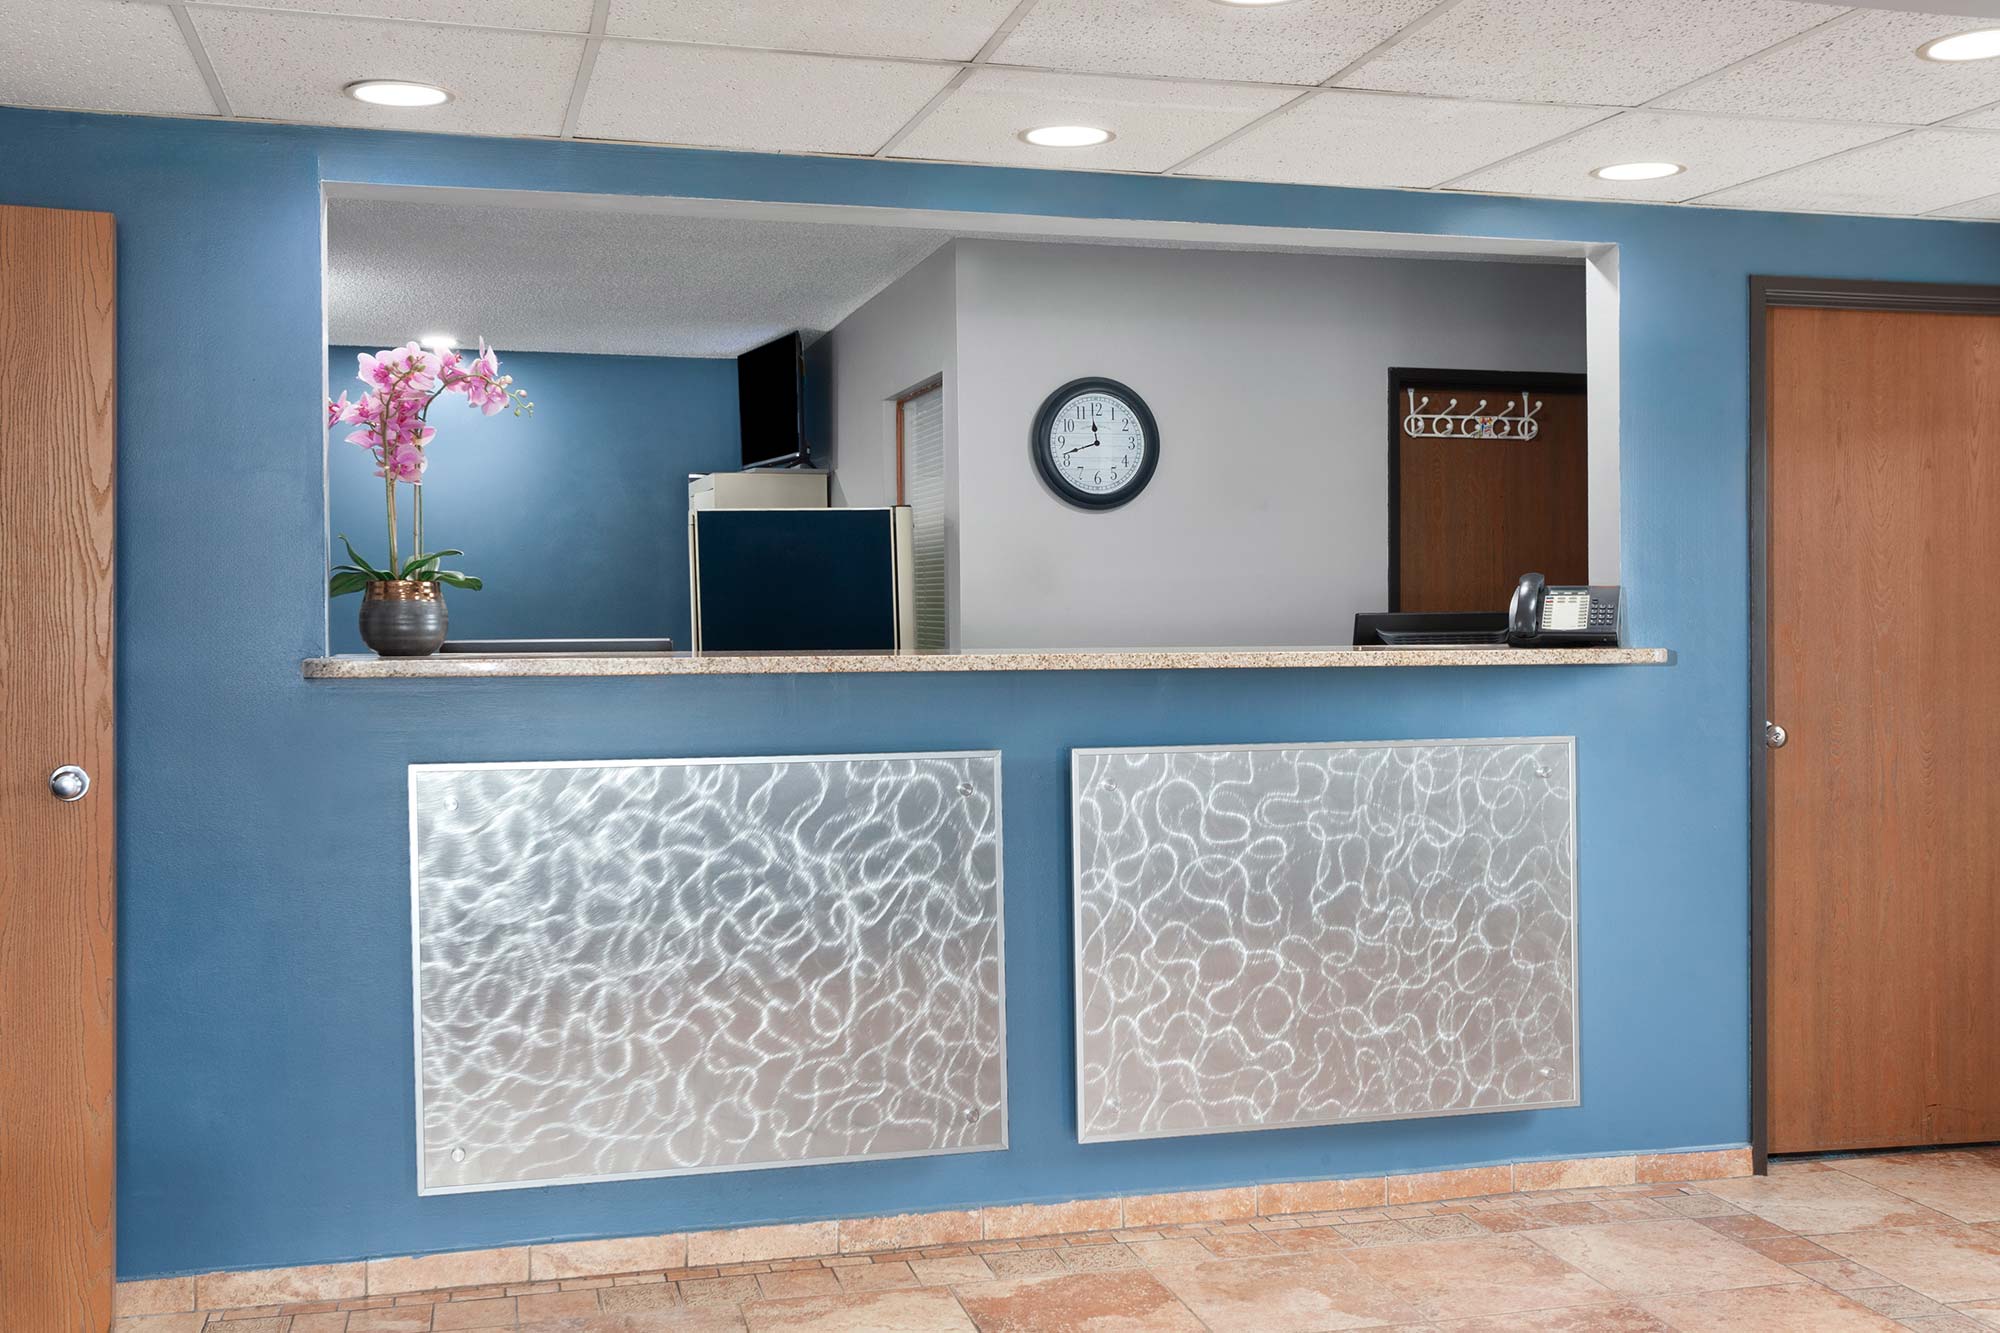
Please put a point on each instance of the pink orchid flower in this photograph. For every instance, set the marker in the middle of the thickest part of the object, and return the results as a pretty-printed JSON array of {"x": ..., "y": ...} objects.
[
  {"x": 407, "y": 463},
  {"x": 390, "y": 421}
]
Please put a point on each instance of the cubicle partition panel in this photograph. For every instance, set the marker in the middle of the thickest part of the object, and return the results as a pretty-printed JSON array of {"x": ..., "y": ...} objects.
[
  {"x": 659, "y": 967},
  {"x": 1286, "y": 935}
]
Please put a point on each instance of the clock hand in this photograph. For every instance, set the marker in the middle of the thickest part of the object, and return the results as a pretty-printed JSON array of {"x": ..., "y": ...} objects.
[{"x": 1094, "y": 440}]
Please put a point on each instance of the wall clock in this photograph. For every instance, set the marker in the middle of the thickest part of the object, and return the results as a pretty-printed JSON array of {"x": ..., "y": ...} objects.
[{"x": 1095, "y": 443}]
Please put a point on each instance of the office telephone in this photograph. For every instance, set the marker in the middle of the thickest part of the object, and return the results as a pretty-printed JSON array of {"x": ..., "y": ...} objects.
[{"x": 1578, "y": 617}]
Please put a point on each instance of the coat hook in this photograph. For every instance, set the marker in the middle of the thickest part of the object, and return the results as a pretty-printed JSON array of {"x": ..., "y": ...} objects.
[{"x": 1451, "y": 424}]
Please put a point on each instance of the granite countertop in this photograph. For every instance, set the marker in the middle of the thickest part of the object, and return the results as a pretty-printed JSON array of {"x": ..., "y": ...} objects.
[{"x": 469, "y": 666}]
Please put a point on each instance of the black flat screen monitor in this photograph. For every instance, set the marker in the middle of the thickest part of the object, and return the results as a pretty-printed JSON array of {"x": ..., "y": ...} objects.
[{"x": 768, "y": 397}]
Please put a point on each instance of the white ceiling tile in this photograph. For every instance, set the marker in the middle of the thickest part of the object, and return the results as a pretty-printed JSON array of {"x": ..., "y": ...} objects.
[
  {"x": 1987, "y": 209},
  {"x": 1987, "y": 119},
  {"x": 936, "y": 29},
  {"x": 1865, "y": 67},
  {"x": 1716, "y": 151},
  {"x": 1919, "y": 172},
  {"x": 712, "y": 97},
  {"x": 1383, "y": 140},
  {"x": 1157, "y": 123},
  {"x": 529, "y": 15},
  {"x": 293, "y": 66},
  {"x": 1606, "y": 52},
  {"x": 1307, "y": 41},
  {"x": 98, "y": 55}
]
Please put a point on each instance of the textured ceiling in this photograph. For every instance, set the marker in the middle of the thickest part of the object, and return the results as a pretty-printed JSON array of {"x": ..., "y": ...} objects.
[
  {"x": 553, "y": 272},
  {"x": 1770, "y": 104},
  {"x": 628, "y": 284}
]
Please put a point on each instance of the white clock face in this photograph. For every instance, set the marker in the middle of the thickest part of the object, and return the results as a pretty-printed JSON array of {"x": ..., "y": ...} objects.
[{"x": 1096, "y": 444}]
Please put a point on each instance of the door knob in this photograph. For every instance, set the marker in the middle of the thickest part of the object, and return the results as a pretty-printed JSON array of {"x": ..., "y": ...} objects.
[
  {"x": 1774, "y": 736},
  {"x": 69, "y": 783}
]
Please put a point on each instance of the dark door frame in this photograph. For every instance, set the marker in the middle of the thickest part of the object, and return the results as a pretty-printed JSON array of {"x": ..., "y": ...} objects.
[
  {"x": 1410, "y": 377},
  {"x": 1767, "y": 294}
]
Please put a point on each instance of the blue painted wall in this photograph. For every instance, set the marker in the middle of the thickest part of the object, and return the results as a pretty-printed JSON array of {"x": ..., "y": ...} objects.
[
  {"x": 575, "y": 516},
  {"x": 265, "y": 1065}
]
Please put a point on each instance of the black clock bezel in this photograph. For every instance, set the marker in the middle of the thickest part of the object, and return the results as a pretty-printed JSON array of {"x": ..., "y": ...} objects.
[{"x": 1038, "y": 445}]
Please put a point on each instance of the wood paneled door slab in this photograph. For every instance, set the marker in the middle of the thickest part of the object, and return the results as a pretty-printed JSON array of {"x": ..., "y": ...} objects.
[
  {"x": 1880, "y": 919},
  {"x": 58, "y": 341},
  {"x": 1468, "y": 517}
]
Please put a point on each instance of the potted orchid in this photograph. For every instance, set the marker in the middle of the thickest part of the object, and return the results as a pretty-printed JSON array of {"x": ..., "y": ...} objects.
[{"x": 402, "y": 605}]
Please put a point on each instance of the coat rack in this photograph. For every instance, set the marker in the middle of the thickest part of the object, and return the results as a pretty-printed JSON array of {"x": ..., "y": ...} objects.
[{"x": 1478, "y": 424}]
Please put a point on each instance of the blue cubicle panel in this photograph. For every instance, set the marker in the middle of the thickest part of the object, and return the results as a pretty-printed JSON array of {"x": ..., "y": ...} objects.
[{"x": 796, "y": 580}]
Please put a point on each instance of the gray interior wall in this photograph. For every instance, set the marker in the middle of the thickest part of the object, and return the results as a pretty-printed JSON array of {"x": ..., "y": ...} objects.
[
  {"x": 1267, "y": 521},
  {"x": 901, "y": 337}
]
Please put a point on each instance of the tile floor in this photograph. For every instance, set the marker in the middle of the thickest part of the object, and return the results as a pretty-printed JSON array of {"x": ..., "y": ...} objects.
[{"x": 1904, "y": 1240}]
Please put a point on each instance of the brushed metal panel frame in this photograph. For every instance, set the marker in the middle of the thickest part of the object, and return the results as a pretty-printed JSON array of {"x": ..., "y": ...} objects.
[
  {"x": 1076, "y": 934},
  {"x": 416, "y": 961}
]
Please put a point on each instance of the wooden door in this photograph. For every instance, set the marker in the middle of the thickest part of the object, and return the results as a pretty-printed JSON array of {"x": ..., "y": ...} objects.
[
  {"x": 58, "y": 284},
  {"x": 1471, "y": 516},
  {"x": 1883, "y": 818}
]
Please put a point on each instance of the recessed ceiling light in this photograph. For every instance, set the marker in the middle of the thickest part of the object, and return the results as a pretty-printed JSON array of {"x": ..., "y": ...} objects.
[
  {"x": 1638, "y": 171},
  {"x": 396, "y": 92},
  {"x": 1981, "y": 45},
  {"x": 439, "y": 342},
  {"x": 1067, "y": 136}
]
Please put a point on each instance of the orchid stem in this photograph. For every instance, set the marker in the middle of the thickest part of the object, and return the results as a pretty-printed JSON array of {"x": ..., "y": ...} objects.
[
  {"x": 417, "y": 489},
  {"x": 390, "y": 483}
]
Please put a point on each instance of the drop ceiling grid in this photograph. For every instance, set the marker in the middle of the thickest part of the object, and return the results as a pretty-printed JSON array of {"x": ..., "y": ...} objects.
[
  {"x": 571, "y": 16},
  {"x": 1480, "y": 79},
  {"x": 1302, "y": 44},
  {"x": 1922, "y": 171},
  {"x": 954, "y": 30},
  {"x": 1604, "y": 52},
  {"x": 1162, "y": 121},
  {"x": 1383, "y": 141},
  {"x": 1715, "y": 151},
  {"x": 723, "y": 97},
  {"x": 1863, "y": 68}
]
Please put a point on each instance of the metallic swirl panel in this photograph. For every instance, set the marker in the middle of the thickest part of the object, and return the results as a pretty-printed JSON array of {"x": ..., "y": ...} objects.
[
  {"x": 1288, "y": 935},
  {"x": 669, "y": 966}
]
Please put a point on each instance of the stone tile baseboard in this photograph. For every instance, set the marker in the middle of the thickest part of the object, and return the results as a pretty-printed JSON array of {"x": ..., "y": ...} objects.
[{"x": 717, "y": 1250}]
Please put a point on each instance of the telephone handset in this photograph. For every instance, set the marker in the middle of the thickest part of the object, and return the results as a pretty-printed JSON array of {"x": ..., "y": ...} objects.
[{"x": 1576, "y": 617}]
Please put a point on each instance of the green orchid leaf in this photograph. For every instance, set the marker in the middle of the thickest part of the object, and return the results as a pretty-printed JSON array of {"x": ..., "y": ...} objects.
[
  {"x": 355, "y": 556},
  {"x": 418, "y": 562},
  {"x": 457, "y": 580},
  {"x": 347, "y": 581}
]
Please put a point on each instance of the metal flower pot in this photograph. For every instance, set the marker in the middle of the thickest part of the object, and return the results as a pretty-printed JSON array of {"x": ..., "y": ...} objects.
[{"x": 403, "y": 617}]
